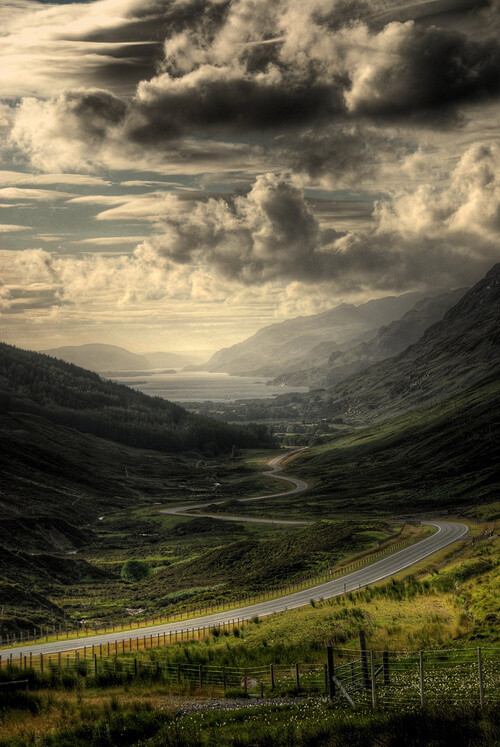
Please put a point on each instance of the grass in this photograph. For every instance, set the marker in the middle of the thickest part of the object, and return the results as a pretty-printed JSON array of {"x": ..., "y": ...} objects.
[
  {"x": 441, "y": 458},
  {"x": 447, "y": 602},
  {"x": 134, "y": 718}
]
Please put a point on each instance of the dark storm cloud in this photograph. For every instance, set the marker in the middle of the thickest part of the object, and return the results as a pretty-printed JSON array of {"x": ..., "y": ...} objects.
[
  {"x": 342, "y": 152},
  {"x": 434, "y": 68},
  {"x": 405, "y": 71}
]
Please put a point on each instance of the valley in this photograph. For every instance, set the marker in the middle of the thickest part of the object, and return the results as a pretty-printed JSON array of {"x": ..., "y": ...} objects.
[{"x": 133, "y": 517}]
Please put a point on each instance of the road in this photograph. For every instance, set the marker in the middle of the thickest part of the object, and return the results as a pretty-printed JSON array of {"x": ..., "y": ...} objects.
[
  {"x": 446, "y": 534},
  {"x": 274, "y": 464}
]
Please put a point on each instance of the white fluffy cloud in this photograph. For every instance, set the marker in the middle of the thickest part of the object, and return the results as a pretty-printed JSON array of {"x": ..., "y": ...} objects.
[{"x": 422, "y": 237}]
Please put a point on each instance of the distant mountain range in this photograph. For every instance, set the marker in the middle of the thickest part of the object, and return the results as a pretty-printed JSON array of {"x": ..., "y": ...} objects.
[
  {"x": 390, "y": 340},
  {"x": 452, "y": 354},
  {"x": 307, "y": 341},
  {"x": 106, "y": 358}
]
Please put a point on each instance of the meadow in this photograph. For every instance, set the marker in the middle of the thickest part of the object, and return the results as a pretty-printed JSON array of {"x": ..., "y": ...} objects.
[{"x": 447, "y": 603}]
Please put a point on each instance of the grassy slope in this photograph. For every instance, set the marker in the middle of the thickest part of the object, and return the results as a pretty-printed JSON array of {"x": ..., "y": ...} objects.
[
  {"x": 55, "y": 480},
  {"x": 56, "y": 483},
  {"x": 63, "y": 491},
  {"x": 437, "y": 607},
  {"x": 430, "y": 460}
]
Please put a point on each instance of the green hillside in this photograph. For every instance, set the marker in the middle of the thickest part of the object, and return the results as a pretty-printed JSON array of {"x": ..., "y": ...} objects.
[
  {"x": 434, "y": 458},
  {"x": 437, "y": 459},
  {"x": 74, "y": 397}
]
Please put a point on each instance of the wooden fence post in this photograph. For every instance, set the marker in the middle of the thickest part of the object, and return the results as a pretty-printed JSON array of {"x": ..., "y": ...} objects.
[
  {"x": 224, "y": 678},
  {"x": 271, "y": 675},
  {"x": 245, "y": 682},
  {"x": 297, "y": 676},
  {"x": 95, "y": 665},
  {"x": 480, "y": 675},
  {"x": 364, "y": 659},
  {"x": 421, "y": 671},
  {"x": 330, "y": 672},
  {"x": 200, "y": 674}
]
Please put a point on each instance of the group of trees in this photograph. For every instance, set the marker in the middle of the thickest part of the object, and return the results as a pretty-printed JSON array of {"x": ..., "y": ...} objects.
[{"x": 72, "y": 396}]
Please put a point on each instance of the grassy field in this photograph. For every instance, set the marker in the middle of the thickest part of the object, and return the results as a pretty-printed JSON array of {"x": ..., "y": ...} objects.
[
  {"x": 434, "y": 461},
  {"x": 76, "y": 533},
  {"x": 448, "y": 602},
  {"x": 87, "y": 720},
  {"x": 76, "y": 507}
]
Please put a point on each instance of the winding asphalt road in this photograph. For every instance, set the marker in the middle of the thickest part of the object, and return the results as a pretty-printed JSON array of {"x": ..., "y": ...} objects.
[
  {"x": 274, "y": 464},
  {"x": 446, "y": 534}
]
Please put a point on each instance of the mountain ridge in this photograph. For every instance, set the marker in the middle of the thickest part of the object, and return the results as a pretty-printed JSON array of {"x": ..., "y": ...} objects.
[
  {"x": 102, "y": 358},
  {"x": 452, "y": 354},
  {"x": 281, "y": 347},
  {"x": 390, "y": 340}
]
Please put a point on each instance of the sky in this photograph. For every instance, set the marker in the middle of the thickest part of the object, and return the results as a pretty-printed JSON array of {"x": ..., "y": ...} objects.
[{"x": 176, "y": 174}]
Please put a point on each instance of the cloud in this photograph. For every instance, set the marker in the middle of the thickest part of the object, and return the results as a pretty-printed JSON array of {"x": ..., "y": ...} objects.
[
  {"x": 266, "y": 235},
  {"x": 109, "y": 240},
  {"x": 406, "y": 68},
  {"x": 12, "y": 228},
  {"x": 229, "y": 70},
  {"x": 33, "y": 195},
  {"x": 15, "y": 178},
  {"x": 425, "y": 237}
]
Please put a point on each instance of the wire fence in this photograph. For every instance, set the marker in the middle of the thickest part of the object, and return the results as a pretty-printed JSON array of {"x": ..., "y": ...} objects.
[{"x": 468, "y": 676}]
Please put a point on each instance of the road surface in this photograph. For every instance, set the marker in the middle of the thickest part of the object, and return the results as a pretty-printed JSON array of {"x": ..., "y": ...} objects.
[
  {"x": 299, "y": 487},
  {"x": 447, "y": 533}
]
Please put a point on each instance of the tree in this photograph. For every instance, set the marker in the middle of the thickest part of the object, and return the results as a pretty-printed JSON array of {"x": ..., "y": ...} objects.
[{"x": 135, "y": 570}]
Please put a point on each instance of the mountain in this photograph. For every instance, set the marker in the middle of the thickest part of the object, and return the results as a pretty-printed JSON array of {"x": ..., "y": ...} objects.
[
  {"x": 435, "y": 458},
  {"x": 453, "y": 354},
  {"x": 280, "y": 348},
  {"x": 99, "y": 357},
  {"x": 105, "y": 358},
  {"x": 72, "y": 396},
  {"x": 389, "y": 341}
]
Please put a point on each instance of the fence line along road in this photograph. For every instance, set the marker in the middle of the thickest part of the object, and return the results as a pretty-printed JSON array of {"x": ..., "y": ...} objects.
[
  {"x": 359, "y": 677},
  {"x": 446, "y": 534}
]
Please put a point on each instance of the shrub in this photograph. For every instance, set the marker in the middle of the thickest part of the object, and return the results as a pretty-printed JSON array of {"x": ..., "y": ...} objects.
[{"x": 135, "y": 570}]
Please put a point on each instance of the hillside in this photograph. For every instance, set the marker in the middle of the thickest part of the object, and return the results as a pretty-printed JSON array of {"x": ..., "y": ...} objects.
[
  {"x": 389, "y": 341},
  {"x": 452, "y": 355},
  {"x": 106, "y": 358},
  {"x": 286, "y": 346},
  {"x": 434, "y": 460},
  {"x": 75, "y": 397},
  {"x": 54, "y": 481}
]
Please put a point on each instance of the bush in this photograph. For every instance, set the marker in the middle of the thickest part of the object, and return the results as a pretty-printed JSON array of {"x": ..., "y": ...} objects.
[{"x": 135, "y": 570}]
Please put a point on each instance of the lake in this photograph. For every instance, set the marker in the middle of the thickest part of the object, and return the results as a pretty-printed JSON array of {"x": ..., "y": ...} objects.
[{"x": 198, "y": 386}]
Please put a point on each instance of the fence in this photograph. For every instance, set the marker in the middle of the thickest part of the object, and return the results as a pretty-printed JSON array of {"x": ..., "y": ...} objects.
[
  {"x": 65, "y": 632},
  {"x": 29, "y": 660},
  {"x": 469, "y": 676}
]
